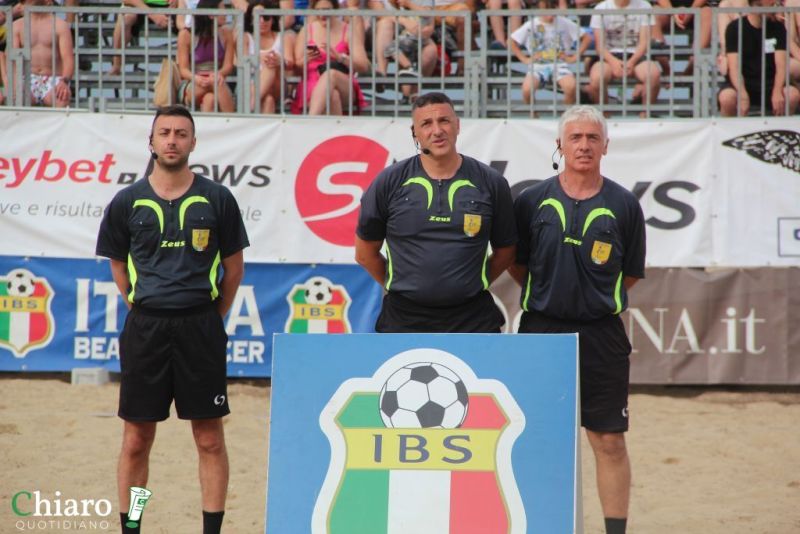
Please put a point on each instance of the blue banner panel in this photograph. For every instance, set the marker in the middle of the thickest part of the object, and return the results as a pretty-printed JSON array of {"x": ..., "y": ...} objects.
[
  {"x": 58, "y": 314},
  {"x": 434, "y": 433}
]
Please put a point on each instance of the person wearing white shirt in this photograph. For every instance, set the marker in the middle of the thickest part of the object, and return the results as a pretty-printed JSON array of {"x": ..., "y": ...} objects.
[
  {"x": 549, "y": 43},
  {"x": 621, "y": 43}
]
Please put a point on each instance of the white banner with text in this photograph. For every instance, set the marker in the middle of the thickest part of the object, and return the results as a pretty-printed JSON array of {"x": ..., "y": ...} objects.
[{"x": 714, "y": 193}]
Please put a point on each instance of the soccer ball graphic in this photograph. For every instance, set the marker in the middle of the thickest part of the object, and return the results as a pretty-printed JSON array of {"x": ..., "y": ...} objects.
[
  {"x": 318, "y": 291},
  {"x": 423, "y": 395},
  {"x": 19, "y": 283}
]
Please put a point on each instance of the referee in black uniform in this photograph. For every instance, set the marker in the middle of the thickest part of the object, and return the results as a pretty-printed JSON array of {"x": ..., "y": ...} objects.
[
  {"x": 581, "y": 246},
  {"x": 437, "y": 213},
  {"x": 175, "y": 242}
]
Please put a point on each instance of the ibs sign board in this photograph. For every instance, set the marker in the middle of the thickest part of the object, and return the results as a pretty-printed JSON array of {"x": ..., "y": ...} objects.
[{"x": 449, "y": 434}]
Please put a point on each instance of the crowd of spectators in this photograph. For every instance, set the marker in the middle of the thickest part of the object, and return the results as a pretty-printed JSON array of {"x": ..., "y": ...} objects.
[{"x": 328, "y": 65}]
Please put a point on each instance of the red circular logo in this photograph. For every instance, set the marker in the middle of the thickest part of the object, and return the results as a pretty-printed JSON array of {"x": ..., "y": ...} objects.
[{"x": 330, "y": 182}]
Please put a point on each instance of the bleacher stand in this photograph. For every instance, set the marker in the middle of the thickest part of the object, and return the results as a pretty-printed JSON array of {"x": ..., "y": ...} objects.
[{"x": 490, "y": 84}]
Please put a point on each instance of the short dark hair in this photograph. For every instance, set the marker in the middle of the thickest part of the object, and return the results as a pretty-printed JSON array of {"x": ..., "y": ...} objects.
[
  {"x": 431, "y": 98},
  {"x": 175, "y": 110}
]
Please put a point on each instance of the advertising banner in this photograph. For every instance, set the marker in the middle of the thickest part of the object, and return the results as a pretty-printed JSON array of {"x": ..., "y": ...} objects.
[
  {"x": 713, "y": 193},
  {"x": 696, "y": 326},
  {"x": 423, "y": 433},
  {"x": 686, "y": 326},
  {"x": 59, "y": 314}
]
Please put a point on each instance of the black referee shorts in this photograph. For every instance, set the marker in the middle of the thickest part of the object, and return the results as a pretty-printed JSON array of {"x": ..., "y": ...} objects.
[
  {"x": 400, "y": 315},
  {"x": 173, "y": 354},
  {"x": 604, "y": 366}
]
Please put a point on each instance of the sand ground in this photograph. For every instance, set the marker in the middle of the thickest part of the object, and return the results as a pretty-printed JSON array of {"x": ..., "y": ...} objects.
[{"x": 705, "y": 460}]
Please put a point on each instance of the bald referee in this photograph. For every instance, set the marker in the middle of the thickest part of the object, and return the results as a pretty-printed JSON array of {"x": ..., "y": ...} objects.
[
  {"x": 437, "y": 213},
  {"x": 581, "y": 247},
  {"x": 175, "y": 242}
]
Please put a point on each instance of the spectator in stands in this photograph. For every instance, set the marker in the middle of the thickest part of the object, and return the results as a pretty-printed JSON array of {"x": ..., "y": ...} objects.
[
  {"x": 213, "y": 62},
  {"x": 129, "y": 24},
  {"x": 793, "y": 34},
  {"x": 723, "y": 19},
  {"x": 51, "y": 46},
  {"x": 621, "y": 42},
  {"x": 16, "y": 12},
  {"x": 413, "y": 34},
  {"x": 683, "y": 22},
  {"x": 270, "y": 51},
  {"x": 453, "y": 23},
  {"x": 550, "y": 43},
  {"x": 762, "y": 38},
  {"x": 70, "y": 17},
  {"x": 498, "y": 23},
  {"x": 185, "y": 21},
  {"x": 3, "y": 78},
  {"x": 331, "y": 53}
]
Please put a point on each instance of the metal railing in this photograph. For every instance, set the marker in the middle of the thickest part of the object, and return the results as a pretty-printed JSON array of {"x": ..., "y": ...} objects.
[
  {"x": 488, "y": 82},
  {"x": 498, "y": 86}
]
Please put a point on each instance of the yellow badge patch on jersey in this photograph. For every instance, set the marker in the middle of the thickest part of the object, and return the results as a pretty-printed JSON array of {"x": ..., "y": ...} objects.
[
  {"x": 601, "y": 252},
  {"x": 200, "y": 239},
  {"x": 472, "y": 224}
]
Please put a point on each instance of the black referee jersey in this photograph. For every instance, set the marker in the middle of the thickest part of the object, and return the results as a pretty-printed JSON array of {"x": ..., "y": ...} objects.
[{"x": 173, "y": 248}]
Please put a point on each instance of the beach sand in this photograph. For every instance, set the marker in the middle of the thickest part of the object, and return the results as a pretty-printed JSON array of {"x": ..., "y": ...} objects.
[{"x": 705, "y": 460}]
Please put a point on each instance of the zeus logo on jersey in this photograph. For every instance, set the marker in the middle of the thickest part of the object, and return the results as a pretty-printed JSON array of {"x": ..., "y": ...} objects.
[
  {"x": 419, "y": 446},
  {"x": 472, "y": 222}
]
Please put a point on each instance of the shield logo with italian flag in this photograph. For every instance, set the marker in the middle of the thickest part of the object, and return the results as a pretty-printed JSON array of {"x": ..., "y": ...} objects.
[
  {"x": 26, "y": 322},
  {"x": 318, "y": 306},
  {"x": 422, "y": 446}
]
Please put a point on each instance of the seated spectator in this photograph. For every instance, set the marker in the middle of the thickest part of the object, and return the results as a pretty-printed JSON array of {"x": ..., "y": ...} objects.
[
  {"x": 16, "y": 12},
  {"x": 453, "y": 23},
  {"x": 683, "y": 22},
  {"x": 51, "y": 46},
  {"x": 761, "y": 37},
  {"x": 129, "y": 25},
  {"x": 410, "y": 31},
  {"x": 723, "y": 19},
  {"x": 414, "y": 51},
  {"x": 793, "y": 32},
  {"x": 271, "y": 53},
  {"x": 331, "y": 62},
  {"x": 498, "y": 23},
  {"x": 621, "y": 42},
  {"x": 185, "y": 21},
  {"x": 550, "y": 43},
  {"x": 213, "y": 62}
]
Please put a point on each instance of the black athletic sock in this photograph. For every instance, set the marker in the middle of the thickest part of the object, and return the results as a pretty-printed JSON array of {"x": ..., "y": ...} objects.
[
  {"x": 123, "y": 520},
  {"x": 212, "y": 522},
  {"x": 616, "y": 525}
]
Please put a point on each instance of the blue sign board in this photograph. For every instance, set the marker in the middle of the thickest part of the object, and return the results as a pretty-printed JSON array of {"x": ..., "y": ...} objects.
[
  {"x": 59, "y": 314},
  {"x": 435, "y": 433}
]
